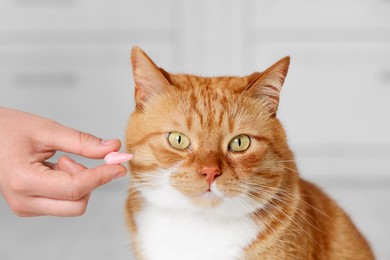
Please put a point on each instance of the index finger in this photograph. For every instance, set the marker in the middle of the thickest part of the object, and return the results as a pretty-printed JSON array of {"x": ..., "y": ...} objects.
[
  {"x": 66, "y": 139},
  {"x": 65, "y": 186}
]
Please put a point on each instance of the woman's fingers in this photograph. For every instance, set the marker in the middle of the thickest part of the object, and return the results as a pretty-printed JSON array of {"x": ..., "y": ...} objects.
[
  {"x": 67, "y": 164},
  {"x": 38, "y": 206},
  {"x": 62, "y": 138},
  {"x": 61, "y": 192},
  {"x": 67, "y": 186},
  {"x": 26, "y": 180}
]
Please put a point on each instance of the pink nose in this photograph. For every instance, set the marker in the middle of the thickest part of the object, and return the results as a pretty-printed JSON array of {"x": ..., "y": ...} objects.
[{"x": 211, "y": 173}]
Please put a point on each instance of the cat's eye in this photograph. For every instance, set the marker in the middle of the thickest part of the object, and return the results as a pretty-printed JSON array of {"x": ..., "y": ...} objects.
[
  {"x": 240, "y": 143},
  {"x": 178, "y": 140}
]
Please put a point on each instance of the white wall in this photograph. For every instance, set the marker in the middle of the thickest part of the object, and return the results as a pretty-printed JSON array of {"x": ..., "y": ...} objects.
[{"x": 69, "y": 60}]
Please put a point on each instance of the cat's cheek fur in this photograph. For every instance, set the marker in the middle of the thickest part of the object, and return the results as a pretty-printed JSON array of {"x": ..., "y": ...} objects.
[{"x": 163, "y": 195}]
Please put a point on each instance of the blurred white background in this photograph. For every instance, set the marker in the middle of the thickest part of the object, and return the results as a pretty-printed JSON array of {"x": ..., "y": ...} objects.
[{"x": 69, "y": 60}]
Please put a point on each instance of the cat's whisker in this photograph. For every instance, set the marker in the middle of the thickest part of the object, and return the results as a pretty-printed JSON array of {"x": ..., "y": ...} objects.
[
  {"x": 297, "y": 209},
  {"x": 259, "y": 187},
  {"x": 287, "y": 168},
  {"x": 270, "y": 215},
  {"x": 290, "y": 218},
  {"x": 296, "y": 160}
]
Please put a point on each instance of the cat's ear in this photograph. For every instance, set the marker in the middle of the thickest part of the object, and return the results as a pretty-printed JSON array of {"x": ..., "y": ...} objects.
[
  {"x": 148, "y": 78},
  {"x": 267, "y": 85}
]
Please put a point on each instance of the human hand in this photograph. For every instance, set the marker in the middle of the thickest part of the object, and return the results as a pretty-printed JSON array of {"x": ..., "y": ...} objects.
[{"x": 31, "y": 185}]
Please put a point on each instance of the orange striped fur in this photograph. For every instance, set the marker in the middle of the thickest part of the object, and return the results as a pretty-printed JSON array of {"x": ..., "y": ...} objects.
[{"x": 296, "y": 219}]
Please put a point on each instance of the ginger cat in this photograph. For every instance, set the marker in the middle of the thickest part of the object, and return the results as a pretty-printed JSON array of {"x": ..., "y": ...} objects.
[{"x": 213, "y": 176}]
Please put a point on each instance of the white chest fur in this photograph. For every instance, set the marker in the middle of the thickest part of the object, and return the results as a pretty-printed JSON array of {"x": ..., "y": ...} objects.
[{"x": 165, "y": 234}]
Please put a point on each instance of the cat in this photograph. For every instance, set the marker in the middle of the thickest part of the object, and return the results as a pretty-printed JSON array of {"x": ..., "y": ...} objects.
[{"x": 213, "y": 177}]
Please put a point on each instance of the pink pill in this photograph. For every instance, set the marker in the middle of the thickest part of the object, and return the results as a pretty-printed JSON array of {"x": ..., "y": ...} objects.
[{"x": 117, "y": 158}]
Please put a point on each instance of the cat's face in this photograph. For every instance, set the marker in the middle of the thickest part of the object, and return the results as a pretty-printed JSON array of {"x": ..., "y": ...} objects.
[{"x": 206, "y": 143}]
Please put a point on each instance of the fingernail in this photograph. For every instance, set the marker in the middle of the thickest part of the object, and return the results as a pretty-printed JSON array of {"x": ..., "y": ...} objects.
[
  {"x": 119, "y": 175},
  {"x": 108, "y": 142}
]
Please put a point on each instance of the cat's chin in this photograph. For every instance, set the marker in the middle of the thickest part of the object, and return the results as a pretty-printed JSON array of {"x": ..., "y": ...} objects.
[{"x": 207, "y": 199}]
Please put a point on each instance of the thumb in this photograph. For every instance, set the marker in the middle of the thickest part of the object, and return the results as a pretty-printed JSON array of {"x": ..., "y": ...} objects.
[
  {"x": 66, "y": 186},
  {"x": 62, "y": 138},
  {"x": 67, "y": 164}
]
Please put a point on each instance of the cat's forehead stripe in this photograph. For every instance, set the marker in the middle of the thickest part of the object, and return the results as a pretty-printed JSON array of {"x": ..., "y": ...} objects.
[
  {"x": 209, "y": 104},
  {"x": 145, "y": 139}
]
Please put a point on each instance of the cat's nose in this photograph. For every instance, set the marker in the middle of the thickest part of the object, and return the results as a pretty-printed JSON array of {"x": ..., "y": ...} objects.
[{"x": 210, "y": 172}]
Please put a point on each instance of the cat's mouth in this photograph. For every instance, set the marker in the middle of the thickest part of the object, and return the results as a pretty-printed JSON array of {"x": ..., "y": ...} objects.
[{"x": 208, "y": 198}]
